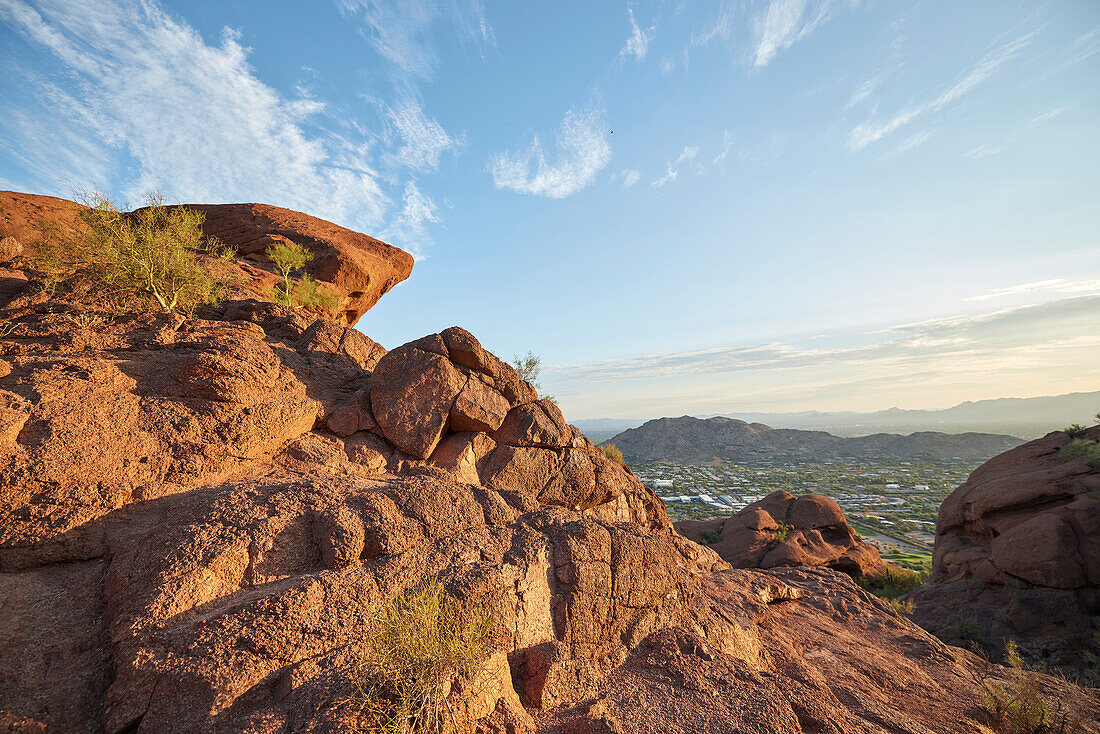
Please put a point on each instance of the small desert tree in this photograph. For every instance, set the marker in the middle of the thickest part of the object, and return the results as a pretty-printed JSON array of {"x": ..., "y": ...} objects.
[
  {"x": 154, "y": 251},
  {"x": 288, "y": 257},
  {"x": 528, "y": 367}
]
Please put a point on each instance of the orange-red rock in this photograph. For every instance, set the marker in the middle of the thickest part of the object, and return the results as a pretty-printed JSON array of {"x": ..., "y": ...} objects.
[
  {"x": 1017, "y": 556},
  {"x": 782, "y": 530}
]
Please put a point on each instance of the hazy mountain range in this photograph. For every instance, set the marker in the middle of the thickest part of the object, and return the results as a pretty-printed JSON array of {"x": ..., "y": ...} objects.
[
  {"x": 1022, "y": 417},
  {"x": 689, "y": 440}
]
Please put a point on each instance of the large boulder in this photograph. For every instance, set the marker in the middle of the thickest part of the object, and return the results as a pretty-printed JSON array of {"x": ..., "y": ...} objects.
[
  {"x": 1017, "y": 556},
  {"x": 782, "y": 530},
  {"x": 357, "y": 268}
]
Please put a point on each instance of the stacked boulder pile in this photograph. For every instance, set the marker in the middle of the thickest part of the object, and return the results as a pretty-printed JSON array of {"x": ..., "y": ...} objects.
[
  {"x": 782, "y": 530},
  {"x": 203, "y": 516}
]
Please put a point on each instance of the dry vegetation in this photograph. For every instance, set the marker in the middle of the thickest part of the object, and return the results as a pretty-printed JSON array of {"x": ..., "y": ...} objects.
[
  {"x": 1020, "y": 707},
  {"x": 418, "y": 645}
]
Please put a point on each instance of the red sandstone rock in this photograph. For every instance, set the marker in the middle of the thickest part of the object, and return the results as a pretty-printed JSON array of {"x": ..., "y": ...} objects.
[
  {"x": 817, "y": 534},
  {"x": 478, "y": 407},
  {"x": 1017, "y": 556},
  {"x": 359, "y": 269},
  {"x": 412, "y": 393}
]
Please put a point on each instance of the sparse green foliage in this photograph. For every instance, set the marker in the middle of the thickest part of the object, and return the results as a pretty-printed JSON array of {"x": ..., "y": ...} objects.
[
  {"x": 1075, "y": 431},
  {"x": 892, "y": 581},
  {"x": 780, "y": 535},
  {"x": 713, "y": 535},
  {"x": 529, "y": 367},
  {"x": 417, "y": 645},
  {"x": 1021, "y": 708},
  {"x": 288, "y": 257},
  {"x": 1082, "y": 447},
  {"x": 312, "y": 294},
  {"x": 150, "y": 252},
  {"x": 906, "y": 607},
  {"x": 612, "y": 452}
]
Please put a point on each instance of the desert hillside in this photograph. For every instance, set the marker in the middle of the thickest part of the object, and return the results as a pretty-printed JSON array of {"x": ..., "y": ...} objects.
[
  {"x": 687, "y": 440},
  {"x": 253, "y": 518}
]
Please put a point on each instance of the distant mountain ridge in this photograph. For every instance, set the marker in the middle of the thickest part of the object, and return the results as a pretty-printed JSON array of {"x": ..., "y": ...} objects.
[
  {"x": 1023, "y": 417},
  {"x": 693, "y": 440}
]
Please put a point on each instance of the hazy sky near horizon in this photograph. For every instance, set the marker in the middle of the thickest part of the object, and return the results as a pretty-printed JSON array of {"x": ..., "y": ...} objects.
[{"x": 683, "y": 207}]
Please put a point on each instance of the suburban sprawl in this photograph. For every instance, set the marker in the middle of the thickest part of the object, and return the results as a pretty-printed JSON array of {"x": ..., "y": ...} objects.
[{"x": 891, "y": 503}]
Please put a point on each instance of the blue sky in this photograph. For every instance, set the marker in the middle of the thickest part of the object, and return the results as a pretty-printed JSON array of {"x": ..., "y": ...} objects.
[{"x": 682, "y": 207}]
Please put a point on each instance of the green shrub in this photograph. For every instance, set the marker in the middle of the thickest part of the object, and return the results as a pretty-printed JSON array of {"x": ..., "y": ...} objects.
[
  {"x": 1022, "y": 709},
  {"x": 312, "y": 294},
  {"x": 153, "y": 252},
  {"x": 712, "y": 535},
  {"x": 1082, "y": 447},
  {"x": 891, "y": 581},
  {"x": 781, "y": 534},
  {"x": 612, "y": 452},
  {"x": 906, "y": 607},
  {"x": 287, "y": 257},
  {"x": 417, "y": 645},
  {"x": 1075, "y": 431}
]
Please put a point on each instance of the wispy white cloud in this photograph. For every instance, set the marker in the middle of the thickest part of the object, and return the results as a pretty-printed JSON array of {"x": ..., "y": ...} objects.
[
  {"x": 400, "y": 30},
  {"x": 628, "y": 177},
  {"x": 785, "y": 22},
  {"x": 423, "y": 139},
  {"x": 194, "y": 117},
  {"x": 993, "y": 351},
  {"x": 1051, "y": 286},
  {"x": 916, "y": 139},
  {"x": 777, "y": 25},
  {"x": 687, "y": 155},
  {"x": 987, "y": 150},
  {"x": 872, "y": 130},
  {"x": 409, "y": 229},
  {"x": 583, "y": 150},
  {"x": 727, "y": 145},
  {"x": 638, "y": 43}
]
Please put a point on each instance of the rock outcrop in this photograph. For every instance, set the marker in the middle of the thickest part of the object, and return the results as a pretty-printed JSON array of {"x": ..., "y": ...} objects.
[
  {"x": 358, "y": 269},
  {"x": 1017, "y": 557},
  {"x": 782, "y": 530},
  {"x": 201, "y": 517}
]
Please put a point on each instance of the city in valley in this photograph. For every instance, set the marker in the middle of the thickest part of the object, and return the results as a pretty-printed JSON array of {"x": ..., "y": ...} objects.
[{"x": 890, "y": 503}]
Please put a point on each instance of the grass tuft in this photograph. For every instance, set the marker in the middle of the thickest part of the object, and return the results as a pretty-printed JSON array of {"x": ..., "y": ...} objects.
[{"x": 417, "y": 646}]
